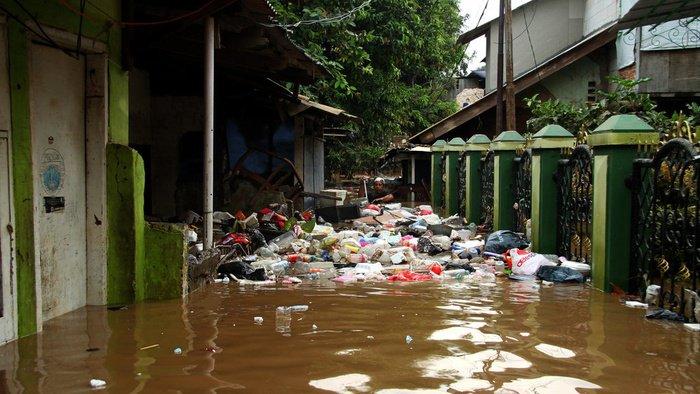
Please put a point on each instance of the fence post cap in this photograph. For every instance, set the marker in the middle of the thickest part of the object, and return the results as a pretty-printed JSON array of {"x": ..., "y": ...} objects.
[
  {"x": 623, "y": 130},
  {"x": 438, "y": 146},
  {"x": 509, "y": 136},
  {"x": 479, "y": 139},
  {"x": 552, "y": 136},
  {"x": 553, "y": 131},
  {"x": 478, "y": 142},
  {"x": 508, "y": 140},
  {"x": 623, "y": 124},
  {"x": 455, "y": 144}
]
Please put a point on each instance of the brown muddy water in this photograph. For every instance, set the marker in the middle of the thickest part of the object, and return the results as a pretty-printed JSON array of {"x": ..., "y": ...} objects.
[{"x": 353, "y": 338}]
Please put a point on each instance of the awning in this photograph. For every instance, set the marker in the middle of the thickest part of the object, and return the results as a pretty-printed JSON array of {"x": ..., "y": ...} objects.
[
  {"x": 306, "y": 104},
  {"x": 250, "y": 40},
  {"x": 530, "y": 78},
  {"x": 651, "y": 12}
]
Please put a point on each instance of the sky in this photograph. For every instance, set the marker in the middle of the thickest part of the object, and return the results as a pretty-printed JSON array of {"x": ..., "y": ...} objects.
[{"x": 473, "y": 8}]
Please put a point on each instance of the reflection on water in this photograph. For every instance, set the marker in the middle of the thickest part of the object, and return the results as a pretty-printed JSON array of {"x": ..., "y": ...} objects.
[{"x": 512, "y": 337}]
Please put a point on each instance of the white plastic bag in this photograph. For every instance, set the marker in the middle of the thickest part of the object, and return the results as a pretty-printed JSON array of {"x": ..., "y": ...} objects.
[{"x": 527, "y": 263}]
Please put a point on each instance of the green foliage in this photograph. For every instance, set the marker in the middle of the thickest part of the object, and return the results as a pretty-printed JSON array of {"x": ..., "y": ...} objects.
[
  {"x": 623, "y": 99},
  {"x": 391, "y": 63}
]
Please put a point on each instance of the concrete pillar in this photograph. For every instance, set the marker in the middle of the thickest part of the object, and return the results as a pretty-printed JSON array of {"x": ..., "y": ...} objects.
[
  {"x": 453, "y": 150},
  {"x": 436, "y": 174},
  {"x": 476, "y": 146},
  {"x": 504, "y": 147},
  {"x": 546, "y": 151},
  {"x": 614, "y": 144}
]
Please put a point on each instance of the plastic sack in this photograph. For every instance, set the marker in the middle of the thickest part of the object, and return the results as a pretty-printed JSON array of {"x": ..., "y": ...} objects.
[
  {"x": 504, "y": 240},
  {"x": 559, "y": 274},
  {"x": 527, "y": 263},
  {"x": 408, "y": 276}
]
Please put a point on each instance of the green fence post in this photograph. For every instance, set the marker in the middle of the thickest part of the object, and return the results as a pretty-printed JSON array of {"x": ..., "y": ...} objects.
[
  {"x": 453, "y": 150},
  {"x": 504, "y": 147},
  {"x": 477, "y": 145},
  {"x": 436, "y": 174},
  {"x": 546, "y": 152},
  {"x": 615, "y": 145}
]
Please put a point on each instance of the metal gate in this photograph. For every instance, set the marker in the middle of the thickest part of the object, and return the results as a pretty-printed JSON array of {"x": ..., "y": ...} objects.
[
  {"x": 461, "y": 184},
  {"x": 486, "y": 167},
  {"x": 522, "y": 190},
  {"x": 575, "y": 205},
  {"x": 665, "y": 225}
]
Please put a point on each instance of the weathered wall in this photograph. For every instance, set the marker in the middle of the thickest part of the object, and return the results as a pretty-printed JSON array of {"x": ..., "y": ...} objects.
[
  {"x": 571, "y": 83},
  {"x": 22, "y": 171},
  {"x": 552, "y": 25},
  {"x": 599, "y": 13},
  {"x": 125, "y": 248},
  {"x": 171, "y": 118},
  {"x": 163, "y": 273},
  {"x": 670, "y": 71},
  {"x": 97, "y": 27}
]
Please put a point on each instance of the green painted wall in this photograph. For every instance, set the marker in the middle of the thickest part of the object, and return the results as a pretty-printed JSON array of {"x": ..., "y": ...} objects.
[
  {"x": 118, "y": 104},
  {"x": 125, "y": 235},
  {"x": 98, "y": 25},
  {"x": 451, "y": 192},
  {"x": 473, "y": 186},
  {"x": 616, "y": 230},
  {"x": 22, "y": 171},
  {"x": 436, "y": 180},
  {"x": 544, "y": 220},
  {"x": 164, "y": 270}
]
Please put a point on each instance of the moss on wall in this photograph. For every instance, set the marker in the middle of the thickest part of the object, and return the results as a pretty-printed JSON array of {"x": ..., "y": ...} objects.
[
  {"x": 23, "y": 188},
  {"x": 125, "y": 235},
  {"x": 118, "y": 104},
  {"x": 164, "y": 270}
]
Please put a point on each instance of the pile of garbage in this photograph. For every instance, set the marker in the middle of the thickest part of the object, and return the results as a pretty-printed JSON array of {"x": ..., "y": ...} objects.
[{"x": 388, "y": 243}]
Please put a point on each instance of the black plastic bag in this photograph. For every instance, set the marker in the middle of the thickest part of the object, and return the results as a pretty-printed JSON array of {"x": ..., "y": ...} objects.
[
  {"x": 426, "y": 246},
  {"x": 460, "y": 264},
  {"x": 665, "y": 314},
  {"x": 552, "y": 273},
  {"x": 503, "y": 240},
  {"x": 241, "y": 270}
]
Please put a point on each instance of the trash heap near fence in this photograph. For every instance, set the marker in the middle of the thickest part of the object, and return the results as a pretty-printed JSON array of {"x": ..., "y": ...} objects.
[{"x": 385, "y": 243}]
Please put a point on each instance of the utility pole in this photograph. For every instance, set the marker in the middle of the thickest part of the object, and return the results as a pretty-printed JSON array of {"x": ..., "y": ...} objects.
[
  {"x": 510, "y": 89},
  {"x": 499, "y": 72}
]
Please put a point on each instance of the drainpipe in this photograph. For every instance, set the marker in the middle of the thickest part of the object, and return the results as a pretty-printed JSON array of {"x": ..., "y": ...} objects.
[{"x": 208, "y": 132}]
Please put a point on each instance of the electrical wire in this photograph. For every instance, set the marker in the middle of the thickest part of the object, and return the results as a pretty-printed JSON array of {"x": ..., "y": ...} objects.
[
  {"x": 80, "y": 28},
  {"x": 532, "y": 48},
  {"x": 180, "y": 17},
  {"x": 43, "y": 34}
]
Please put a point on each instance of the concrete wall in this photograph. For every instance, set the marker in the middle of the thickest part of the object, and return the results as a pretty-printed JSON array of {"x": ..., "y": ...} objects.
[
  {"x": 553, "y": 25},
  {"x": 171, "y": 118},
  {"x": 599, "y": 13},
  {"x": 675, "y": 71},
  {"x": 571, "y": 83},
  {"x": 163, "y": 274},
  {"x": 125, "y": 248}
]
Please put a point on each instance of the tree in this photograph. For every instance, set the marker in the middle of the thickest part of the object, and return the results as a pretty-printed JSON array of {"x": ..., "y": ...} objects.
[{"x": 391, "y": 63}]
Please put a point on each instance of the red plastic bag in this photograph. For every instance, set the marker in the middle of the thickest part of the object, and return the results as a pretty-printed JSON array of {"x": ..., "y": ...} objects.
[
  {"x": 409, "y": 276},
  {"x": 436, "y": 268}
]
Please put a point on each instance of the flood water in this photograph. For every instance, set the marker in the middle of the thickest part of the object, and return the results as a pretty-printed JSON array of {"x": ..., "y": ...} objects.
[{"x": 353, "y": 338}]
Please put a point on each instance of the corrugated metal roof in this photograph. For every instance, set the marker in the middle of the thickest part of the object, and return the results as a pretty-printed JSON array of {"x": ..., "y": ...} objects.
[{"x": 651, "y": 12}]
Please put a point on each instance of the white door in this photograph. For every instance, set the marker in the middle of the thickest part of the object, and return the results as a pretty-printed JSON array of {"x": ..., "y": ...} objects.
[
  {"x": 57, "y": 107},
  {"x": 8, "y": 286}
]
